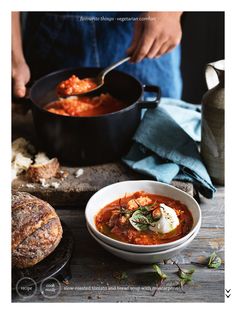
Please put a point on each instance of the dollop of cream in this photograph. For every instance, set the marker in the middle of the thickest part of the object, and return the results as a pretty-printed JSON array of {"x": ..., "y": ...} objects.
[{"x": 168, "y": 221}]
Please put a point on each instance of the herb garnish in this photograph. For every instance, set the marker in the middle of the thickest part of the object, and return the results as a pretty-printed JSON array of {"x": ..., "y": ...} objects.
[
  {"x": 158, "y": 272},
  {"x": 142, "y": 217},
  {"x": 214, "y": 261},
  {"x": 146, "y": 208},
  {"x": 139, "y": 221},
  {"x": 123, "y": 210},
  {"x": 185, "y": 275},
  {"x": 161, "y": 276}
]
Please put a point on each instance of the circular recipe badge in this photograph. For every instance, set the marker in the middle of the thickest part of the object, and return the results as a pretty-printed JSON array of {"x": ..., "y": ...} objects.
[
  {"x": 50, "y": 288},
  {"x": 26, "y": 287}
]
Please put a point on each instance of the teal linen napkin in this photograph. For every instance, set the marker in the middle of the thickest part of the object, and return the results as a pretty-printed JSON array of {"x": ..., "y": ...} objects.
[{"x": 163, "y": 149}]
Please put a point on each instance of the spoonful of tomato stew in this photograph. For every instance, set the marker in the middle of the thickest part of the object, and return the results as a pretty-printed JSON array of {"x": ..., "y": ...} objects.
[{"x": 74, "y": 86}]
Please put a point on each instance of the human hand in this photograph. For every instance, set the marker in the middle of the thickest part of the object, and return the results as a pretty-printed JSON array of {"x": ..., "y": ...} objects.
[
  {"x": 20, "y": 76},
  {"x": 156, "y": 36}
]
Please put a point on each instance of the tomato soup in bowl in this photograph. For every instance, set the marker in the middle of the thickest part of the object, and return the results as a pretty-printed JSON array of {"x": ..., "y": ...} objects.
[{"x": 142, "y": 216}]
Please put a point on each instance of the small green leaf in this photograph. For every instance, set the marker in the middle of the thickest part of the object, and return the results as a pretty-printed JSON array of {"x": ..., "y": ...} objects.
[
  {"x": 186, "y": 274},
  {"x": 159, "y": 273},
  {"x": 150, "y": 218},
  {"x": 146, "y": 208},
  {"x": 139, "y": 221},
  {"x": 185, "y": 277},
  {"x": 182, "y": 282},
  {"x": 214, "y": 261},
  {"x": 143, "y": 208}
]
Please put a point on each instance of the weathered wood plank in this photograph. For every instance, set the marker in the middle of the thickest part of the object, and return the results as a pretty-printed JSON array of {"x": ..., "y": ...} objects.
[
  {"x": 93, "y": 268},
  {"x": 207, "y": 286},
  {"x": 213, "y": 210},
  {"x": 207, "y": 241},
  {"x": 73, "y": 191}
]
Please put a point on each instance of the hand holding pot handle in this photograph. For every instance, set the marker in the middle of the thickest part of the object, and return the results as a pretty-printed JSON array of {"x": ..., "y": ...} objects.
[{"x": 22, "y": 104}]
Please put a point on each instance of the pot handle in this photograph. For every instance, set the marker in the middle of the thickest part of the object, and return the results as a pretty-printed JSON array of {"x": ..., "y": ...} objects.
[
  {"x": 154, "y": 103},
  {"x": 24, "y": 103}
]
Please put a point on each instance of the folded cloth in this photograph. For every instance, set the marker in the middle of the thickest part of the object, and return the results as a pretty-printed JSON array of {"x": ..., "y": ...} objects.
[
  {"x": 187, "y": 115},
  {"x": 163, "y": 150}
]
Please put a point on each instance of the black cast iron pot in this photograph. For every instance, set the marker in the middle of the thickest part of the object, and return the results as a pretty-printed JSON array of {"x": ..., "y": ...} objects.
[{"x": 89, "y": 140}]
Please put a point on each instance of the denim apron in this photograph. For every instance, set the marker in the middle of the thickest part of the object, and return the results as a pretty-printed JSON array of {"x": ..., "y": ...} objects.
[{"x": 57, "y": 40}]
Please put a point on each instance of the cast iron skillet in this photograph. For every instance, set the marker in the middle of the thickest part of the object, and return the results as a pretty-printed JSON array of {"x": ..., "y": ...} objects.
[{"x": 89, "y": 140}]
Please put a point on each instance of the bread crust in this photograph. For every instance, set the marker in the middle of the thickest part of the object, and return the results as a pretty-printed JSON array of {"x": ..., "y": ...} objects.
[
  {"x": 19, "y": 198},
  {"x": 41, "y": 243},
  {"x": 36, "y": 229},
  {"x": 37, "y": 172}
]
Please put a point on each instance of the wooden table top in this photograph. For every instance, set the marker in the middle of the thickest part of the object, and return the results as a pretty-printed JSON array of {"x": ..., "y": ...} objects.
[{"x": 96, "y": 274}]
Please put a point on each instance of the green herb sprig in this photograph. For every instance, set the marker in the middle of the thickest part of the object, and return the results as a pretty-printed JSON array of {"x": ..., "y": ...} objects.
[
  {"x": 161, "y": 276},
  {"x": 139, "y": 221},
  {"x": 214, "y": 261},
  {"x": 158, "y": 272},
  {"x": 142, "y": 217},
  {"x": 185, "y": 275},
  {"x": 123, "y": 210}
]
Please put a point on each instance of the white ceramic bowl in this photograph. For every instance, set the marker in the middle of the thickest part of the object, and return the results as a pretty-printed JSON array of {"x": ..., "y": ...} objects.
[
  {"x": 114, "y": 191},
  {"x": 145, "y": 258}
]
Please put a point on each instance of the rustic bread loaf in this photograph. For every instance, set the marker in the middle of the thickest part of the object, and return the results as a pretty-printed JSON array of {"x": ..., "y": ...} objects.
[{"x": 36, "y": 229}]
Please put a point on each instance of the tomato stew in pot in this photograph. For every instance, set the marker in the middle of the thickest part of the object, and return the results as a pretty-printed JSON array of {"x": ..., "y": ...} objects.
[
  {"x": 85, "y": 106},
  {"x": 90, "y": 140}
]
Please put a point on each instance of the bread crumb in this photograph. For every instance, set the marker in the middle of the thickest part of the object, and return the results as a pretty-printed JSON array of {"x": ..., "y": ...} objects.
[
  {"x": 41, "y": 159},
  {"x": 132, "y": 205},
  {"x": 62, "y": 174},
  {"x": 142, "y": 201},
  {"x": 43, "y": 183},
  {"x": 13, "y": 173},
  {"x": 79, "y": 173},
  {"x": 21, "y": 158},
  {"x": 20, "y": 145},
  {"x": 35, "y": 166},
  {"x": 55, "y": 185}
]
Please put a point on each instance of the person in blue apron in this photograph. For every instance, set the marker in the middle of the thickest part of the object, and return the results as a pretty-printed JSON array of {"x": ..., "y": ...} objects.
[{"x": 56, "y": 40}]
